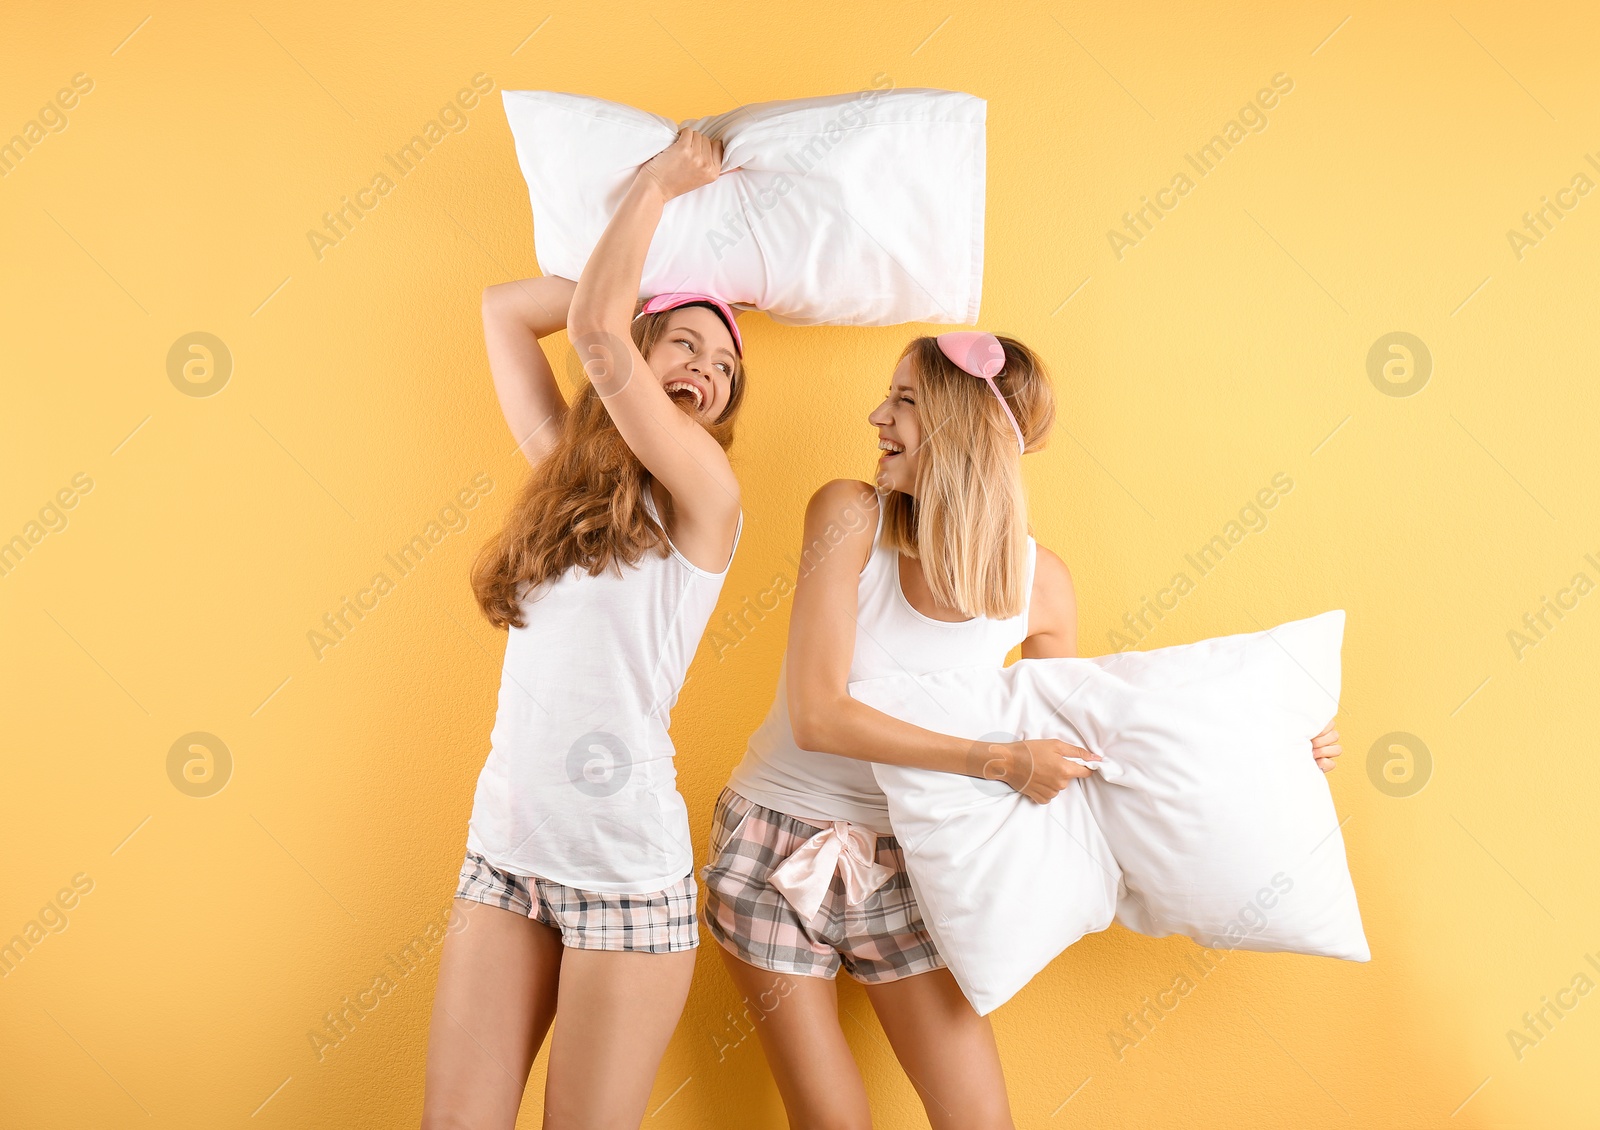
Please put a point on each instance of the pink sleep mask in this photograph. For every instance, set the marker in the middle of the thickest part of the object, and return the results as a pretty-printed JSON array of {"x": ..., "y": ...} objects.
[
  {"x": 681, "y": 298},
  {"x": 982, "y": 355}
]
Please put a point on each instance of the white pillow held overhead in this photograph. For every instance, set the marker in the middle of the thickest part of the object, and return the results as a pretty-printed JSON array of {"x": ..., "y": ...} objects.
[{"x": 855, "y": 209}]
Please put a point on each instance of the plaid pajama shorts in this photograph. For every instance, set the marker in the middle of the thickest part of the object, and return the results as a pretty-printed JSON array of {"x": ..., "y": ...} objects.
[
  {"x": 663, "y": 922},
  {"x": 881, "y": 939}
]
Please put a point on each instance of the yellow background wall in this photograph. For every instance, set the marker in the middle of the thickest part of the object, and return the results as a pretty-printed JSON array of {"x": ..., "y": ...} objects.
[{"x": 1229, "y": 345}]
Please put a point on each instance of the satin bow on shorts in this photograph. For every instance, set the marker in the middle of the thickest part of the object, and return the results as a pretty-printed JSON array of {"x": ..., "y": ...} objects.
[
  {"x": 843, "y": 848},
  {"x": 771, "y": 899}
]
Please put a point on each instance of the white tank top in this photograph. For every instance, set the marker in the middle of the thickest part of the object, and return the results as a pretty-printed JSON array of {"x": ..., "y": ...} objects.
[
  {"x": 579, "y": 786},
  {"x": 892, "y": 639}
]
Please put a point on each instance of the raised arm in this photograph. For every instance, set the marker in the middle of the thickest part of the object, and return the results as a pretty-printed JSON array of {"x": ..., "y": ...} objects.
[
  {"x": 674, "y": 448},
  {"x": 515, "y": 316},
  {"x": 822, "y": 634}
]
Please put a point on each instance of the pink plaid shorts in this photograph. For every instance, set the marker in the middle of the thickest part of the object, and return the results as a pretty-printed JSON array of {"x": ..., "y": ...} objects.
[
  {"x": 663, "y": 922},
  {"x": 881, "y": 939}
]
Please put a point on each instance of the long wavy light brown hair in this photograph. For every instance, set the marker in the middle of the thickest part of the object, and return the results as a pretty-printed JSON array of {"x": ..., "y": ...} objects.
[
  {"x": 584, "y": 503},
  {"x": 968, "y": 521}
]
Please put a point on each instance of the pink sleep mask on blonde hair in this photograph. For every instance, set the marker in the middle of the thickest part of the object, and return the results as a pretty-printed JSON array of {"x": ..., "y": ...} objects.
[{"x": 982, "y": 355}]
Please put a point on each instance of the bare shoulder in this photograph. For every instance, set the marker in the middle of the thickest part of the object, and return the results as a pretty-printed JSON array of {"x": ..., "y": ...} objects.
[
  {"x": 1051, "y": 575},
  {"x": 1052, "y": 608},
  {"x": 841, "y": 513},
  {"x": 838, "y": 498}
]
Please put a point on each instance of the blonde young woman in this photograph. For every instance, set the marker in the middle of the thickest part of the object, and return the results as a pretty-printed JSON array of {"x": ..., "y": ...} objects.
[
  {"x": 577, "y": 892},
  {"x": 934, "y": 568}
]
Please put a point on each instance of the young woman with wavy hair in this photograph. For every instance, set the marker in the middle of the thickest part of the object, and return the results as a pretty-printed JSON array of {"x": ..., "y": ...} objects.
[
  {"x": 931, "y": 568},
  {"x": 577, "y": 893}
]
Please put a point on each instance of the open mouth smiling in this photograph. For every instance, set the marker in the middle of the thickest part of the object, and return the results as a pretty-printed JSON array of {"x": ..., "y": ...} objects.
[{"x": 676, "y": 388}]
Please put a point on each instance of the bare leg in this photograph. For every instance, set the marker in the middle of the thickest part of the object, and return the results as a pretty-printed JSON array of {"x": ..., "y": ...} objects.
[
  {"x": 798, "y": 1024},
  {"x": 616, "y": 1014},
  {"x": 497, "y": 994},
  {"x": 947, "y": 1050}
]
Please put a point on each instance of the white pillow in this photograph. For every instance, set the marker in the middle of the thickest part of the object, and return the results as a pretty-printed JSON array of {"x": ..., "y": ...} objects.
[
  {"x": 1004, "y": 884},
  {"x": 1220, "y": 824},
  {"x": 857, "y": 209}
]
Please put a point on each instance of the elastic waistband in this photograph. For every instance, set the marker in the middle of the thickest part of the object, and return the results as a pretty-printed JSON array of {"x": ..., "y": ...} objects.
[{"x": 799, "y": 826}]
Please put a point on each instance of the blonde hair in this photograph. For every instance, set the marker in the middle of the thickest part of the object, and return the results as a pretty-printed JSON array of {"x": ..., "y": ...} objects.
[
  {"x": 584, "y": 503},
  {"x": 968, "y": 521}
]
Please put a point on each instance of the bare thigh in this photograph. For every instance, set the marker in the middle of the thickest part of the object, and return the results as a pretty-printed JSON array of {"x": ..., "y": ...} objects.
[
  {"x": 616, "y": 1013},
  {"x": 797, "y": 1021},
  {"x": 947, "y": 1050},
  {"x": 498, "y": 980}
]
